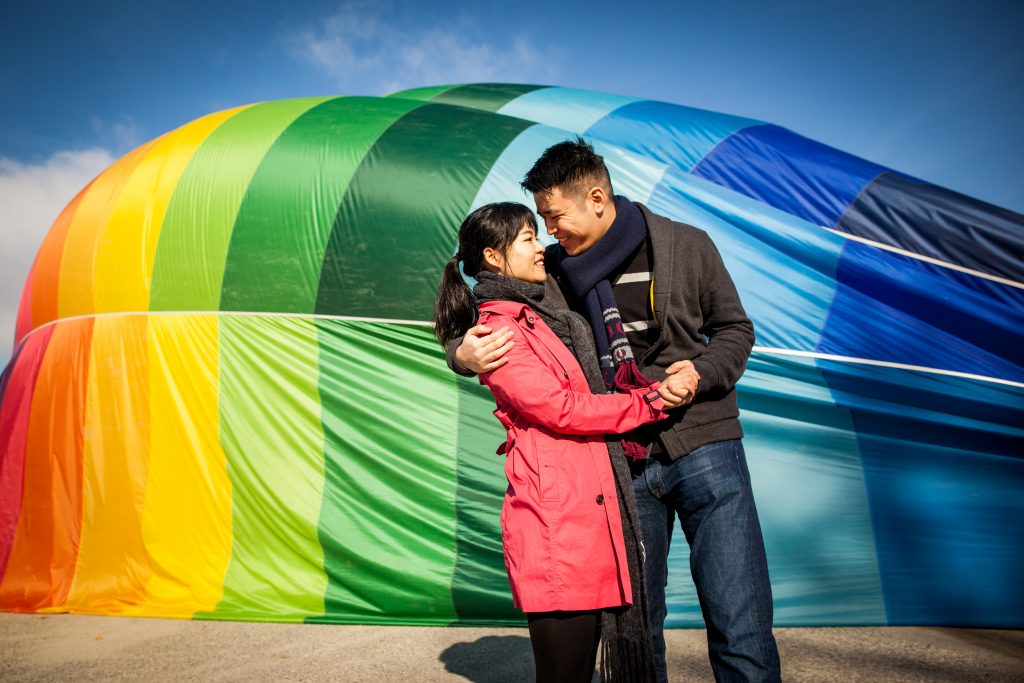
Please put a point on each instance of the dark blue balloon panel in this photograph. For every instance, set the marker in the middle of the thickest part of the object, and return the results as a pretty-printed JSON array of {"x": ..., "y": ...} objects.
[
  {"x": 932, "y": 221},
  {"x": 790, "y": 172},
  {"x": 899, "y": 309}
]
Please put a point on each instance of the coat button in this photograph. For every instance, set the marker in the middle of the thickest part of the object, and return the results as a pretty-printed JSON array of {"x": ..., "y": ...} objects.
[{"x": 600, "y": 499}]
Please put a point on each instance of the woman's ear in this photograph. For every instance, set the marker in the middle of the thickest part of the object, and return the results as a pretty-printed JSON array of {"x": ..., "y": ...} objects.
[{"x": 493, "y": 260}]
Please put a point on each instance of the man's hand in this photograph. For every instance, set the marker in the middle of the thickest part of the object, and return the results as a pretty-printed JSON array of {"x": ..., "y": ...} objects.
[
  {"x": 482, "y": 351},
  {"x": 679, "y": 387}
]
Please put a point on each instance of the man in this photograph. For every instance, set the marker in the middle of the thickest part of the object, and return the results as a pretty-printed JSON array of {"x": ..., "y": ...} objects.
[{"x": 686, "y": 328}]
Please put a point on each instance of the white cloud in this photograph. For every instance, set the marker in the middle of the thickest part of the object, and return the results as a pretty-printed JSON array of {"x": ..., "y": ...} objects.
[
  {"x": 360, "y": 47},
  {"x": 120, "y": 135},
  {"x": 31, "y": 198}
]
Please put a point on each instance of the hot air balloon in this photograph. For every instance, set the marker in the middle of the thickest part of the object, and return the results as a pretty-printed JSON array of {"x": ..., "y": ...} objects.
[{"x": 226, "y": 402}]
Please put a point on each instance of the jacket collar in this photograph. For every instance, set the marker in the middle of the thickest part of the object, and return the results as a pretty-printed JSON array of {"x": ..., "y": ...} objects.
[
  {"x": 514, "y": 309},
  {"x": 662, "y": 238}
]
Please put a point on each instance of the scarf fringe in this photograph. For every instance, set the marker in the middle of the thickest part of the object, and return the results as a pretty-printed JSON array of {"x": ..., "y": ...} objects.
[
  {"x": 625, "y": 661},
  {"x": 628, "y": 376},
  {"x": 626, "y": 651}
]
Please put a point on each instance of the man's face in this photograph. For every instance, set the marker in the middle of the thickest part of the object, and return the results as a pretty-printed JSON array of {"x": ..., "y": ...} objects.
[{"x": 576, "y": 226}]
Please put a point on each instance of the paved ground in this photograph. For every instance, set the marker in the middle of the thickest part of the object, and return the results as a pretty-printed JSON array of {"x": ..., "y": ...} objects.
[{"x": 80, "y": 648}]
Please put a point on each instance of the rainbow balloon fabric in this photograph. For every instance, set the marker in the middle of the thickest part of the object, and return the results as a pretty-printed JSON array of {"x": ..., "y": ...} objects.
[{"x": 225, "y": 400}]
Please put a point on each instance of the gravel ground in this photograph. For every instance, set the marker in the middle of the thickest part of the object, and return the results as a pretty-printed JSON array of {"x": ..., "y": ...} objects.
[{"x": 63, "y": 647}]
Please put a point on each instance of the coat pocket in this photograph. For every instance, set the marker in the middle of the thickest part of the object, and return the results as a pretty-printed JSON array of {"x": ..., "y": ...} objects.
[{"x": 551, "y": 481}]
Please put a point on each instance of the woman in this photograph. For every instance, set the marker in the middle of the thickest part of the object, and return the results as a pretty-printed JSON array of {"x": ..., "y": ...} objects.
[{"x": 571, "y": 567}]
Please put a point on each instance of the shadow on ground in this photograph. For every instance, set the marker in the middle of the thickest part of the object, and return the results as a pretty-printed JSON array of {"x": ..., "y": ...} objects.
[
  {"x": 490, "y": 659},
  {"x": 68, "y": 648}
]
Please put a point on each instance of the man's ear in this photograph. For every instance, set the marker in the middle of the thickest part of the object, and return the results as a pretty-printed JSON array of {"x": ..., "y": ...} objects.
[
  {"x": 493, "y": 259},
  {"x": 599, "y": 199}
]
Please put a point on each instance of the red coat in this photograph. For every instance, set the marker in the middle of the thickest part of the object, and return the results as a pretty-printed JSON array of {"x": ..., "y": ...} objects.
[{"x": 560, "y": 523}]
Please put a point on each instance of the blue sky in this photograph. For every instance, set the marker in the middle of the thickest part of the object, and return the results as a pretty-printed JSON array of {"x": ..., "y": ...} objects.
[{"x": 933, "y": 89}]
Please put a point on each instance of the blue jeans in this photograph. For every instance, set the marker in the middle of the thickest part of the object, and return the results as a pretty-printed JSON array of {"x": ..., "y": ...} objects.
[{"x": 709, "y": 489}]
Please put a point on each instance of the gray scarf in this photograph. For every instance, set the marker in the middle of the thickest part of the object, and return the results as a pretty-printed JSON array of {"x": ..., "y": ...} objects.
[{"x": 626, "y": 653}]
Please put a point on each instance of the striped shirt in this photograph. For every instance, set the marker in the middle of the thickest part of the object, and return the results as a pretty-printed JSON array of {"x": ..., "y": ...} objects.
[{"x": 631, "y": 285}]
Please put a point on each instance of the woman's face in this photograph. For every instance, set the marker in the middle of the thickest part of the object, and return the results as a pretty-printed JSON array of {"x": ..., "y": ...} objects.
[{"x": 524, "y": 259}]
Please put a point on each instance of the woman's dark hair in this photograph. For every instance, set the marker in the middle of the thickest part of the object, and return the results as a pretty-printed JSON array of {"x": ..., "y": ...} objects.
[{"x": 492, "y": 225}]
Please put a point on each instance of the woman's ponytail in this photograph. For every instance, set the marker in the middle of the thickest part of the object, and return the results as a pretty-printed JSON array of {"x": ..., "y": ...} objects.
[{"x": 454, "y": 308}]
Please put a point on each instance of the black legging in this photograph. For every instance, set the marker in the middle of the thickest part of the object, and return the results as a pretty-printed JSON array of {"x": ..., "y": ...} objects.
[{"x": 564, "y": 645}]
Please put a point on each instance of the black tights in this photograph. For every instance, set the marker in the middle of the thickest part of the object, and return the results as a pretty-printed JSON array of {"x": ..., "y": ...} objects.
[{"x": 564, "y": 645}]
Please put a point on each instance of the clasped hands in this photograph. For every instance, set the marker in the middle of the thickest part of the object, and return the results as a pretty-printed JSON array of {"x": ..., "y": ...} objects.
[{"x": 483, "y": 351}]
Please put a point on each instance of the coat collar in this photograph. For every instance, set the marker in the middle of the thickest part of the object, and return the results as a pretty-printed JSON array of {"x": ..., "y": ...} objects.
[
  {"x": 516, "y": 310},
  {"x": 662, "y": 238}
]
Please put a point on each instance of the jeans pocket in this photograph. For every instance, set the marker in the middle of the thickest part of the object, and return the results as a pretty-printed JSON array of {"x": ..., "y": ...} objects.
[{"x": 651, "y": 478}]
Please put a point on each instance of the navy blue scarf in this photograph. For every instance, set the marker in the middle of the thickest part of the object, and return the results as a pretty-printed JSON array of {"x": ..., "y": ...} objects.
[{"x": 586, "y": 276}]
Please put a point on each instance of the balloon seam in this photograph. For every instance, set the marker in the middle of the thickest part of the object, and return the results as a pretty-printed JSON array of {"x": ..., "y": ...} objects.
[
  {"x": 884, "y": 364},
  {"x": 927, "y": 259}
]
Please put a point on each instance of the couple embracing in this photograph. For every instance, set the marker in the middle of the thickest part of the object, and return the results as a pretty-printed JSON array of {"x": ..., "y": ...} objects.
[{"x": 612, "y": 356}]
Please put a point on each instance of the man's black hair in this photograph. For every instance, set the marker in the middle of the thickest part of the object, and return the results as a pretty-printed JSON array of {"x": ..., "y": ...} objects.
[{"x": 572, "y": 166}]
